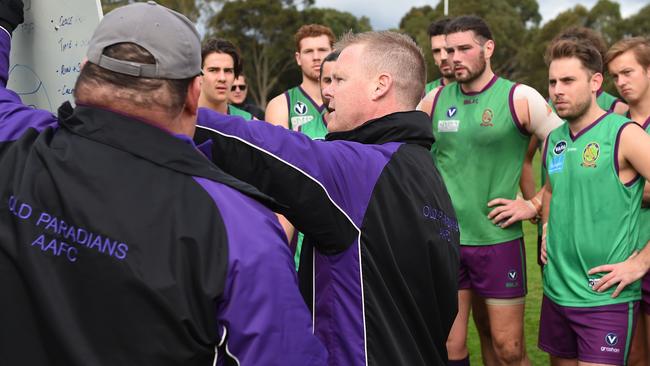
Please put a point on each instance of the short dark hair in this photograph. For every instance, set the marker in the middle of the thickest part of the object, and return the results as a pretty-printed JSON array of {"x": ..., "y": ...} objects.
[
  {"x": 583, "y": 51},
  {"x": 218, "y": 45},
  {"x": 332, "y": 56},
  {"x": 437, "y": 28},
  {"x": 584, "y": 34},
  {"x": 466, "y": 23},
  {"x": 167, "y": 94}
]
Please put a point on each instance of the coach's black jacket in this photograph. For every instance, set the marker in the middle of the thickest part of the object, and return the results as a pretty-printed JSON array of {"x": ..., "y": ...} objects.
[{"x": 383, "y": 287}]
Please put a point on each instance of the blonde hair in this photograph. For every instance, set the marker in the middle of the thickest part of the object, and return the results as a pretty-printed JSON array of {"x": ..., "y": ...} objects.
[
  {"x": 396, "y": 54},
  {"x": 639, "y": 45}
]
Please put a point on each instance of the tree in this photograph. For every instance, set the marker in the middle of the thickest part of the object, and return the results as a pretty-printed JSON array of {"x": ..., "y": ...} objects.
[
  {"x": 604, "y": 17},
  {"x": 534, "y": 70},
  {"x": 340, "y": 21},
  {"x": 507, "y": 19},
  {"x": 416, "y": 23},
  {"x": 190, "y": 8},
  {"x": 263, "y": 30},
  {"x": 638, "y": 24},
  {"x": 528, "y": 11}
]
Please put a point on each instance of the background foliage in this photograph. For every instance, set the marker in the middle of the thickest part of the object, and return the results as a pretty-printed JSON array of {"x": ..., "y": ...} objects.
[{"x": 263, "y": 30}]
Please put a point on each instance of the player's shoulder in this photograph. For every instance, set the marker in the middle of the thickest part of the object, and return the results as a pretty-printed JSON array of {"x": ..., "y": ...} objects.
[{"x": 427, "y": 103}]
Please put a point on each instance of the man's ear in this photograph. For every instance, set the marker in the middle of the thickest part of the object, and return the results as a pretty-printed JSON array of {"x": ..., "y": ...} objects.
[
  {"x": 193, "y": 94},
  {"x": 297, "y": 56},
  {"x": 383, "y": 83},
  {"x": 596, "y": 81},
  {"x": 488, "y": 48}
]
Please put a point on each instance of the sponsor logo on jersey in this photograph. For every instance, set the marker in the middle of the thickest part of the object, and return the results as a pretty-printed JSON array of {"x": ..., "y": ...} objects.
[
  {"x": 470, "y": 101},
  {"x": 451, "y": 111},
  {"x": 590, "y": 154},
  {"x": 300, "y": 108},
  {"x": 556, "y": 165},
  {"x": 448, "y": 125},
  {"x": 297, "y": 122},
  {"x": 611, "y": 340},
  {"x": 486, "y": 118},
  {"x": 559, "y": 148}
]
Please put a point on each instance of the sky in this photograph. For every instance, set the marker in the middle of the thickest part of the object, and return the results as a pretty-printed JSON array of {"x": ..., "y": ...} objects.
[{"x": 386, "y": 14}]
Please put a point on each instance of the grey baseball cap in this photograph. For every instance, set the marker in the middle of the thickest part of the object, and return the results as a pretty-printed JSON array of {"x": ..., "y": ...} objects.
[{"x": 169, "y": 36}]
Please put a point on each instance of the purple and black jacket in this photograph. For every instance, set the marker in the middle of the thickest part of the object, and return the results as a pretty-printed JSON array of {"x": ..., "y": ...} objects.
[
  {"x": 120, "y": 244},
  {"x": 380, "y": 258}
]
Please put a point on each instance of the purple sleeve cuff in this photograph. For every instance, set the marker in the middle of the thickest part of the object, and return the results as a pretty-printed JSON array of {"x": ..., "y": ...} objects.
[{"x": 15, "y": 117}]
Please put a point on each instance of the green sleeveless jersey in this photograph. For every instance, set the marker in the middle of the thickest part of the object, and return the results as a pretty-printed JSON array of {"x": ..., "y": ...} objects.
[
  {"x": 479, "y": 150},
  {"x": 234, "y": 111},
  {"x": 606, "y": 101},
  {"x": 593, "y": 217},
  {"x": 432, "y": 85},
  {"x": 304, "y": 115},
  {"x": 644, "y": 215}
]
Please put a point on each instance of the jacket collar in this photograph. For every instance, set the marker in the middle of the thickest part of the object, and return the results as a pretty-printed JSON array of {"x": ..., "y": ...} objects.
[
  {"x": 413, "y": 127},
  {"x": 150, "y": 143}
]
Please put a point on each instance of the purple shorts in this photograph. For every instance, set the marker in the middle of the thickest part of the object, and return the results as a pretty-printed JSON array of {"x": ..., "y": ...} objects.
[
  {"x": 599, "y": 334},
  {"x": 645, "y": 293},
  {"x": 495, "y": 271}
]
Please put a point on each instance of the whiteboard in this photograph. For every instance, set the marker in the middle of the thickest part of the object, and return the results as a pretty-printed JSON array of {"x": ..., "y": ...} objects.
[{"x": 47, "y": 50}]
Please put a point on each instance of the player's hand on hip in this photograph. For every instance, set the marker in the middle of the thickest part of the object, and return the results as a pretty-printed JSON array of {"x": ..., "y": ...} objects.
[
  {"x": 623, "y": 274},
  {"x": 507, "y": 212}
]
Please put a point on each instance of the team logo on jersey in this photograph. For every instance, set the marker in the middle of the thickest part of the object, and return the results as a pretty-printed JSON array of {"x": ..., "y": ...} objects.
[
  {"x": 300, "y": 108},
  {"x": 611, "y": 339},
  {"x": 590, "y": 154},
  {"x": 487, "y": 117},
  {"x": 559, "y": 148},
  {"x": 451, "y": 111},
  {"x": 512, "y": 279}
]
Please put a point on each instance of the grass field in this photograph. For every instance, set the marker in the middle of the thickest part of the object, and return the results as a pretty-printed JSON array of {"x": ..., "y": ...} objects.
[{"x": 533, "y": 300}]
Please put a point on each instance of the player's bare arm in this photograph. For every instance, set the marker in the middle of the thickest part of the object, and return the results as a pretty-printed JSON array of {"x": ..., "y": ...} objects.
[
  {"x": 527, "y": 181},
  {"x": 536, "y": 117},
  {"x": 621, "y": 108},
  {"x": 633, "y": 159},
  {"x": 546, "y": 205},
  {"x": 426, "y": 104},
  {"x": 277, "y": 111}
]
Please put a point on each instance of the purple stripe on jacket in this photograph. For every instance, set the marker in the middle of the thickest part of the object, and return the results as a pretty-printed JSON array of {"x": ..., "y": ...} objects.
[
  {"x": 347, "y": 171},
  {"x": 261, "y": 311}
]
